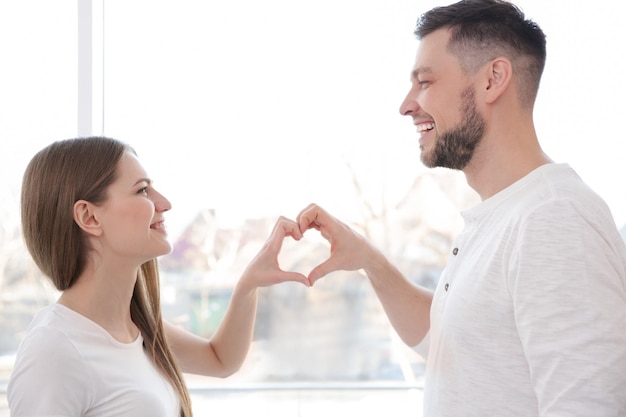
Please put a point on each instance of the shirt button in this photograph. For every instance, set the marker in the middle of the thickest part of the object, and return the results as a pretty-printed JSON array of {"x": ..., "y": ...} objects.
[
  {"x": 455, "y": 251},
  {"x": 446, "y": 287}
]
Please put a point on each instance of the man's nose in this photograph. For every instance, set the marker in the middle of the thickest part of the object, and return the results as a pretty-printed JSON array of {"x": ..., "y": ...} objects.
[{"x": 409, "y": 105}]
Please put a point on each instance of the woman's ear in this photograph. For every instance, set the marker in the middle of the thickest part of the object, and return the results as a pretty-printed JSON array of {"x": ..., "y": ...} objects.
[
  {"x": 499, "y": 76},
  {"x": 85, "y": 217}
]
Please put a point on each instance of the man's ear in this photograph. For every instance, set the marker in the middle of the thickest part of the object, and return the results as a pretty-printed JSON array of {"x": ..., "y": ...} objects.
[
  {"x": 499, "y": 75},
  {"x": 85, "y": 217}
]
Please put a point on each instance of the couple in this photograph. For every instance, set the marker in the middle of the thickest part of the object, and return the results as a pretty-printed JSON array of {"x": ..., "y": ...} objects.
[{"x": 528, "y": 318}]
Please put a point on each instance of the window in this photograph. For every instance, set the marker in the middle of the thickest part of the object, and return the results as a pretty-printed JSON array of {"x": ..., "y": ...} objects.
[
  {"x": 243, "y": 111},
  {"x": 38, "y": 80}
]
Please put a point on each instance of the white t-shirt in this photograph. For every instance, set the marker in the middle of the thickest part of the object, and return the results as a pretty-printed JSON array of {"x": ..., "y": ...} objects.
[
  {"x": 529, "y": 316},
  {"x": 69, "y": 366}
]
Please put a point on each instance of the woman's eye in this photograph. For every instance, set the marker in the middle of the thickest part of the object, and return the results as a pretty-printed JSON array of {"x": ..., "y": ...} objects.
[{"x": 143, "y": 190}]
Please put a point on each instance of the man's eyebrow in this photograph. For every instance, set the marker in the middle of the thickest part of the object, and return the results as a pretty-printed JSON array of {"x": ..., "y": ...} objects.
[{"x": 421, "y": 70}]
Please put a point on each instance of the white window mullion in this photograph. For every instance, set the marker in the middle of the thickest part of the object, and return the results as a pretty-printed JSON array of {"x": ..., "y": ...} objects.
[{"x": 90, "y": 67}]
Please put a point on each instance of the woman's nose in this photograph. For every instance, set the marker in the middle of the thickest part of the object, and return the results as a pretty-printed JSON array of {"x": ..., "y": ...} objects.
[{"x": 161, "y": 203}]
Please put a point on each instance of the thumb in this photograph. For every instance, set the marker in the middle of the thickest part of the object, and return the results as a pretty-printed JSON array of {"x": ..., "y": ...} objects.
[
  {"x": 321, "y": 270},
  {"x": 295, "y": 277}
]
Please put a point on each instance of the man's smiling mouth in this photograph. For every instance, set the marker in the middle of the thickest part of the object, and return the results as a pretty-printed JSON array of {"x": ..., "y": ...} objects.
[{"x": 425, "y": 127}]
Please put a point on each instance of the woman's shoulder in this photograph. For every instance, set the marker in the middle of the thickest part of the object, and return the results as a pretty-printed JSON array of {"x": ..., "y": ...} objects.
[
  {"x": 48, "y": 365},
  {"x": 49, "y": 338},
  {"x": 46, "y": 338}
]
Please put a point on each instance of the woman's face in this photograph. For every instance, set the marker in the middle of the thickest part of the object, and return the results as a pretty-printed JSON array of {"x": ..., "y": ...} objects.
[{"x": 132, "y": 220}]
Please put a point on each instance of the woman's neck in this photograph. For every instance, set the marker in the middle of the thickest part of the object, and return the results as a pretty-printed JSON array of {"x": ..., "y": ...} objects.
[{"x": 104, "y": 297}]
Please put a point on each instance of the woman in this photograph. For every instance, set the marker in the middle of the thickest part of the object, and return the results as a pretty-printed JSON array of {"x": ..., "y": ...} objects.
[{"x": 94, "y": 224}]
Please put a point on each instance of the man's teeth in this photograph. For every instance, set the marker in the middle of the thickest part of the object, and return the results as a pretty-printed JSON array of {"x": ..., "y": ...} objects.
[{"x": 425, "y": 127}]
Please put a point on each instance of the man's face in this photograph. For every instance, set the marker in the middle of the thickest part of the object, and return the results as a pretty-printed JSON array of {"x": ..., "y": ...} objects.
[
  {"x": 455, "y": 147},
  {"x": 442, "y": 103}
]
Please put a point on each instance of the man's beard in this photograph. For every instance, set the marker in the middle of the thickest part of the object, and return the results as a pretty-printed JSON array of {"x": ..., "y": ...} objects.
[{"x": 455, "y": 148}]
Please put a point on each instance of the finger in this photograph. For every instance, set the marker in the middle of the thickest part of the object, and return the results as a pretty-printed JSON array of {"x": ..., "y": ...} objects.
[
  {"x": 288, "y": 227},
  {"x": 285, "y": 276},
  {"x": 283, "y": 228},
  {"x": 322, "y": 270},
  {"x": 309, "y": 217}
]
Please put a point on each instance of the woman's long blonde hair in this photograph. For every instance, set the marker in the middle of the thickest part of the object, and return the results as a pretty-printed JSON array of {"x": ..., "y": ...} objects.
[{"x": 82, "y": 169}]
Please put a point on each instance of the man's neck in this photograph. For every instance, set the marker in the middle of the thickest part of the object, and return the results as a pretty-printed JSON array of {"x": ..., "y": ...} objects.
[{"x": 498, "y": 163}]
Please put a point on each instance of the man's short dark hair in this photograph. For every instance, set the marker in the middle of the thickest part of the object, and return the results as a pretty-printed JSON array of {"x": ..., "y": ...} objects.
[{"x": 482, "y": 30}]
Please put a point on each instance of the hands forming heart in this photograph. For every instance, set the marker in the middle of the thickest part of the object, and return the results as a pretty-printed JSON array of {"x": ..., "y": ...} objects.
[{"x": 348, "y": 250}]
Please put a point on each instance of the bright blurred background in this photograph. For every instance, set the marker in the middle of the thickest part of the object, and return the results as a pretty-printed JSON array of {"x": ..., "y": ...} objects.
[{"x": 245, "y": 110}]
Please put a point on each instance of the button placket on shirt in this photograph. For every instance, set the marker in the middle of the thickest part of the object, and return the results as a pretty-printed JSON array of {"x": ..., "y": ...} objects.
[{"x": 455, "y": 252}]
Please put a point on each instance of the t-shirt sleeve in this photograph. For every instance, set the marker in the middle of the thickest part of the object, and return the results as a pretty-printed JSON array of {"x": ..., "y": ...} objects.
[
  {"x": 49, "y": 377},
  {"x": 567, "y": 284}
]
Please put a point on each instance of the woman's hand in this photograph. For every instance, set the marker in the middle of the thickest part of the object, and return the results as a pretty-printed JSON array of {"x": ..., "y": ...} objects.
[{"x": 264, "y": 269}]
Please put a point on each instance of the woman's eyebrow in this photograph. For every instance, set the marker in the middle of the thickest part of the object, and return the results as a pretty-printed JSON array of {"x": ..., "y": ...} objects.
[{"x": 148, "y": 180}]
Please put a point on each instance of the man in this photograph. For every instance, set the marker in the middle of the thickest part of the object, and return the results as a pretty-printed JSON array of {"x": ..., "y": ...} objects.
[{"x": 529, "y": 316}]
